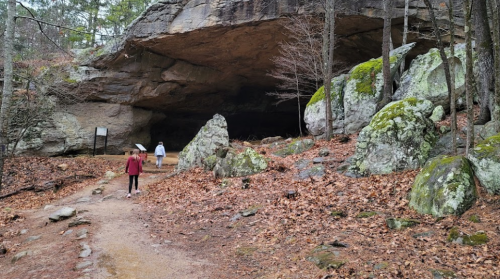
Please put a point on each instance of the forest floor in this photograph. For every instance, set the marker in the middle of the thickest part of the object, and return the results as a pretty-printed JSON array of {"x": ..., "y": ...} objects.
[{"x": 189, "y": 225}]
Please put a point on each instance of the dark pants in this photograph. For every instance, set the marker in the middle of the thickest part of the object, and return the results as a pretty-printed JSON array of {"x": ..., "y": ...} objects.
[{"x": 130, "y": 179}]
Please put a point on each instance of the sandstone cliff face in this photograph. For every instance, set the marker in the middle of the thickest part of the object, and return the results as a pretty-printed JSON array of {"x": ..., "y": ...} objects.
[{"x": 190, "y": 59}]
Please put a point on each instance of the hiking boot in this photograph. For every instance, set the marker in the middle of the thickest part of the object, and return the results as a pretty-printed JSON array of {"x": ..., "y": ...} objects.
[
  {"x": 128, "y": 195},
  {"x": 137, "y": 192}
]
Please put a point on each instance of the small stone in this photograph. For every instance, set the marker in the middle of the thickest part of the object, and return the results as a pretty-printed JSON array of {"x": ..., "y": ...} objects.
[
  {"x": 324, "y": 152},
  {"x": 25, "y": 231},
  {"x": 108, "y": 197},
  {"x": 79, "y": 221},
  {"x": 33, "y": 238},
  {"x": 20, "y": 255},
  {"x": 83, "y": 265},
  {"x": 68, "y": 232},
  {"x": 84, "y": 199},
  {"x": 62, "y": 213},
  {"x": 249, "y": 212}
]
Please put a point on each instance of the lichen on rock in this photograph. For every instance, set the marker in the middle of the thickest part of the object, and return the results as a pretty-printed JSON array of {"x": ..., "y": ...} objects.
[
  {"x": 235, "y": 164},
  {"x": 399, "y": 137},
  {"x": 485, "y": 159},
  {"x": 444, "y": 186}
]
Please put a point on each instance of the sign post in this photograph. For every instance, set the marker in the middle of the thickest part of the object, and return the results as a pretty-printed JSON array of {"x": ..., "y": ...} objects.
[{"x": 101, "y": 131}]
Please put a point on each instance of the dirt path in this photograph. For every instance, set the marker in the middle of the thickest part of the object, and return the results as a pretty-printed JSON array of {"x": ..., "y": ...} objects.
[{"x": 119, "y": 237}]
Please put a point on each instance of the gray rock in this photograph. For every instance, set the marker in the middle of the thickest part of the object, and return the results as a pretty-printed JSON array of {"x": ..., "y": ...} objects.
[
  {"x": 444, "y": 186},
  {"x": 212, "y": 136},
  {"x": 324, "y": 152},
  {"x": 438, "y": 114},
  {"x": 84, "y": 200},
  {"x": 489, "y": 129},
  {"x": 85, "y": 250},
  {"x": 68, "y": 232},
  {"x": 33, "y": 238},
  {"x": 400, "y": 223},
  {"x": 295, "y": 147},
  {"x": 399, "y": 137},
  {"x": 364, "y": 89},
  {"x": 21, "y": 255},
  {"x": 82, "y": 232},
  {"x": 62, "y": 213},
  {"x": 426, "y": 79},
  {"x": 240, "y": 164},
  {"x": 485, "y": 160},
  {"x": 302, "y": 164},
  {"x": 83, "y": 265},
  {"x": 318, "y": 170},
  {"x": 314, "y": 114},
  {"x": 270, "y": 140},
  {"x": 79, "y": 221},
  {"x": 318, "y": 160},
  {"x": 24, "y": 231},
  {"x": 443, "y": 145},
  {"x": 249, "y": 212}
]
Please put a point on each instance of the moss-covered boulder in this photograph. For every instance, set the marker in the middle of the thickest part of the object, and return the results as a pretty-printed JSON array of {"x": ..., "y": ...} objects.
[
  {"x": 314, "y": 114},
  {"x": 211, "y": 137},
  {"x": 485, "y": 159},
  {"x": 399, "y": 137},
  {"x": 444, "y": 186},
  {"x": 426, "y": 79},
  {"x": 295, "y": 147},
  {"x": 364, "y": 89},
  {"x": 240, "y": 164},
  {"x": 325, "y": 257},
  {"x": 401, "y": 223}
]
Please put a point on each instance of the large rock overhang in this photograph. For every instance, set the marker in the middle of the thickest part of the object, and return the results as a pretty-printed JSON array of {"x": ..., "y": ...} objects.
[{"x": 188, "y": 60}]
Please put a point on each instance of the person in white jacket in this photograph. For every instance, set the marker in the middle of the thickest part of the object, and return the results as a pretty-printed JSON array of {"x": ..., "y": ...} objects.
[{"x": 159, "y": 153}]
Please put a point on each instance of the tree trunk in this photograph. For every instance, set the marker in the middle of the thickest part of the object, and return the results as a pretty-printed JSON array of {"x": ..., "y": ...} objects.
[
  {"x": 386, "y": 46},
  {"x": 453, "y": 97},
  {"x": 328, "y": 46},
  {"x": 484, "y": 50},
  {"x": 494, "y": 6},
  {"x": 405, "y": 32},
  {"x": 469, "y": 79},
  {"x": 7, "y": 85},
  {"x": 444, "y": 58}
]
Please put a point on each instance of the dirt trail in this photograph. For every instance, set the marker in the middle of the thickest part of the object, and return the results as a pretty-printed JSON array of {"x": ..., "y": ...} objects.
[{"x": 119, "y": 236}]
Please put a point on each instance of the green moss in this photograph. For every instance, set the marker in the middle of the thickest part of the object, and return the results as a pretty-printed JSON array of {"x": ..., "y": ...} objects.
[
  {"x": 366, "y": 74},
  {"x": 318, "y": 96},
  {"x": 476, "y": 239},
  {"x": 474, "y": 219},
  {"x": 382, "y": 119},
  {"x": 487, "y": 147},
  {"x": 366, "y": 214},
  {"x": 454, "y": 234},
  {"x": 338, "y": 214},
  {"x": 441, "y": 273},
  {"x": 325, "y": 260},
  {"x": 400, "y": 223}
]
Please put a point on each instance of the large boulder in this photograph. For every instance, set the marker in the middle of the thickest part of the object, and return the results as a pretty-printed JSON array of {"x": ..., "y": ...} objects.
[
  {"x": 485, "y": 159},
  {"x": 212, "y": 136},
  {"x": 364, "y": 89},
  {"x": 314, "y": 114},
  {"x": 426, "y": 78},
  {"x": 233, "y": 164},
  {"x": 399, "y": 137},
  {"x": 444, "y": 186},
  {"x": 71, "y": 129}
]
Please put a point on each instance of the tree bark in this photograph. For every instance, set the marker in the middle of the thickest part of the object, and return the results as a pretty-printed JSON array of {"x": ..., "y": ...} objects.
[
  {"x": 453, "y": 96},
  {"x": 469, "y": 78},
  {"x": 328, "y": 46},
  {"x": 7, "y": 85},
  {"x": 494, "y": 6},
  {"x": 386, "y": 63},
  {"x": 405, "y": 32},
  {"x": 484, "y": 48}
]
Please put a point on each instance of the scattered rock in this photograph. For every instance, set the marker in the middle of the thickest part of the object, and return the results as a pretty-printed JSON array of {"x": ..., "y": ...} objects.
[
  {"x": 302, "y": 164},
  {"x": 442, "y": 274},
  {"x": 324, "y": 258},
  {"x": 290, "y": 194},
  {"x": 98, "y": 191},
  {"x": 318, "y": 160},
  {"x": 424, "y": 234},
  {"x": 85, "y": 250},
  {"x": 318, "y": 171},
  {"x": 79, "y": 221},
  {"x": 478, "y": 238},
  {"x": 62, "y": 213},
  {"x": 33, "y": 238},
  {"x": 366, "y": 214},
  {"x": 24, "y": 231},
  {"x": 485, "y": 159},
  {"x": 84, "y": 199},
  {"x": 438, "y": 114},
  {"x": 246, "y": 163},
  {"x": 270, "y": 140},
  {"x": 381, "y": 265},
  {"x": 20, "y": 255},
  {"x": 68, "y": 232},
  {"x": 110, "y": 175},
  {"x": 3, "y": 250},
  {"x": 400, "y": 223},
  {"x": 250, "y": 211},
  {"x": 83, "y": 265},
  {"x": 324, "y": 152},
  {"x": 295, "y": 147}
]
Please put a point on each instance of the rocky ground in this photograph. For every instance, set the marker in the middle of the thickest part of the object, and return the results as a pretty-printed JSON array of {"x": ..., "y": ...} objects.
[{"x": 274, "y": 225}]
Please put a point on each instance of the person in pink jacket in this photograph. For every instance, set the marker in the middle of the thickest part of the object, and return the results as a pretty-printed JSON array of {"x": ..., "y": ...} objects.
[{"x": 134, "y": 169}]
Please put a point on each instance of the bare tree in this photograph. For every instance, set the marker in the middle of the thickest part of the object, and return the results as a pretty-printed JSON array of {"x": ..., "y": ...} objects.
[
  {"x": 453, "y": 96},
  {"x": 386, "y": 63},
  {"x": 328, "y": 48},
  {"x": 405, "y": 32},
  {"x": 469, "y": 76},
  {"x": 298, "y": 67},
  {"x": 484, "y": 49},
  {"x": 8, "y": 77},
  {"x": 494, "y": 7}
]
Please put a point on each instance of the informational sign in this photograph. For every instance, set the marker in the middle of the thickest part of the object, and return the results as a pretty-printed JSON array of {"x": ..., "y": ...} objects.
[
  {"x": 101, "y": 131},
  {"x": 141, "y": 148}
]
